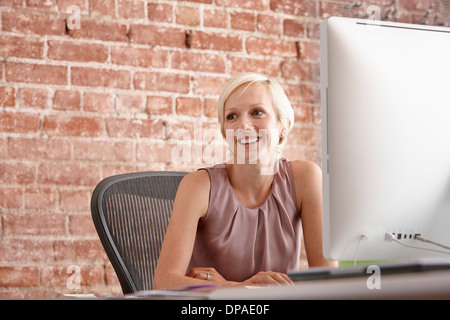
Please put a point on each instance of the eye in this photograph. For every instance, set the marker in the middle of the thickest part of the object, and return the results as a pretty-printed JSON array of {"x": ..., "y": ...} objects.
[
  {"x": 257, "y": 112},
  {"x": 231, "y": 116}
]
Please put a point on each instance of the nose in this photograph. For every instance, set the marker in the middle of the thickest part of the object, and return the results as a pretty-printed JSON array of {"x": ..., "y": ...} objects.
[{"x": 245, "y": 123}]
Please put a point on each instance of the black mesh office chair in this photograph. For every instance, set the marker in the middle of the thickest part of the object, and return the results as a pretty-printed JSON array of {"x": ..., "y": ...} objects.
[{"x": 131, "y": 213}]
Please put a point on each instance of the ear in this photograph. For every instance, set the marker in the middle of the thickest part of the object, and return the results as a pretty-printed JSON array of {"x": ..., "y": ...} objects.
[{"x": 284, "y": 130}]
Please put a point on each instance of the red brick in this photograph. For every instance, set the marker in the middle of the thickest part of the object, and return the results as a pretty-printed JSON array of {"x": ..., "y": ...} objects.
[
  {"x": 189, "y": 16},
  {"x": 66, "y": 100},
  {"x": 19, "y": 122},
  {"x": 12, "y": 46},
  {"x": 159, "y": 105},
  {"x": 196, "y": 61},
  {"x": 79, "y": 250},
  {"x": 100, "y": 30},
  {"x": 268, "y": 67},
  {"x": 7, "y": 97},
  {"x": 313, "y": 30},
  {"x": 68, "y": 174},
  {"x": 215, "y": 18},
  {"x": 79, "y": 126},
  {"x": 40, "y": 198},
  {"x": 93, "y": 77},
  {"x": 157, "y": 81},
  {"x": 34, "y": 224},
  {"x": 310, "y": 50},
  {"x": 130, "y": 103},
  {"x": 3, "y": 148},
  {"x": 154, "y": 152},
  {"x": 10, "y": 198},
  {"x": 19, "y": 276},
  {"x": 243, "y": 21},
  {"x": 296, "y": 70},
  {"x": 36, "y": 73},
  {"x": 39, "y": 148},
  {"x": 110, "y": 275},
  {"x": 271, "y": 47},
  {"x": 316, "y": 116},
  {"x": 26, "y": 250},
  {"x": 77, "y": 51},
  {"x": 45, "y": 24},
  {"x": 17, "y": 173},
  {"x": 300, "y": 8},
  {"x": 294, "y": 28},
  {"x": 210, "y": 109},
  {"x": 306, "y": 137},
  {"x": 189, "y": 106},
  {"x": 57, "y": 275},
  {"x": 302, "y": 113},
  {"x": 157, "y": 35},
  {"x": 140, "y": 57},
  {"x": 33, "y": 97},
  {"x": 184, "y": 126},
  {"x": 244, "y": 4},
  {"x": 64, "y": 4},
  {"x": 103, "y": 150},
  {"x": 102, "y": 8},
  {"x": 113, "y": 169},
  {"x": 81, "y": 224},
  {"x": 160, "y": 12},
  {"x": 268, "y": 24},
  {"x": 292, "y": 91},
  {"x": 98, "y": 102},
  {"x": 215, "y": 41},
  {"x": 201, "y": 1},
  {"x": 209, "y": 85},
  {"x": 328, "y": 9},
  {"x": 131, "y": 9},
  {"x": 74, "y": 200},
  {"x": 134, "y": 128},
  {"x": 310, "y": 93}
]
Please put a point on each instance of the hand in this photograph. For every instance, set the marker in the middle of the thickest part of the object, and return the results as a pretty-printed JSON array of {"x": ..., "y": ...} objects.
[
  {"x": 205, "y": 273},
  {"x": 268, "y": 278}
]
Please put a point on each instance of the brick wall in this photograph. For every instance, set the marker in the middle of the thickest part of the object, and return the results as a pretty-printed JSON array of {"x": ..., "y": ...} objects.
[{"x": 80, "y": 104}]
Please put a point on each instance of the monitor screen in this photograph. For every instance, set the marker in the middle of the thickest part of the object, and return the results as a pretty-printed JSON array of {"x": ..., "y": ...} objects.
[{"x": 385, "y": 103}]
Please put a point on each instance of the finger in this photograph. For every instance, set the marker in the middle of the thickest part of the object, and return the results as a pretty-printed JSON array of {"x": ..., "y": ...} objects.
[
  {"x": 195, "y": 272},
  {"x": 283, "y": 278},
  {"x": 200, "y": 273},
  {"x": 278, "y": 278}
]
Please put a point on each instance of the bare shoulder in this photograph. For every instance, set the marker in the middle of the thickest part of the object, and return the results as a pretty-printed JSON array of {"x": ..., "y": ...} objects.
[
  {"x": 306, "y": 173},
  {"x": 193, "y": 191},
  {"x": 197, "y": 179}
]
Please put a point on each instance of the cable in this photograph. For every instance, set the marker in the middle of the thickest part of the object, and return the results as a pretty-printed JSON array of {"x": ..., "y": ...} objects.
[
  {"x": 391, "y": 238},
  {"x": 420, "y": 238},
  {"x": 362, "y": 237}
]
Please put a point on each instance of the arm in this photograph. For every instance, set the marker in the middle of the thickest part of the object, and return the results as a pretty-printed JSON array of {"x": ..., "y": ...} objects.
[
  {"x": 308, "y": 184},
  {"x": 190, "y": 205}
]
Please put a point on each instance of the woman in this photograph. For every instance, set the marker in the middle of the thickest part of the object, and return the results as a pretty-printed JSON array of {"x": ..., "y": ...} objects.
[{"x": 241, "y": 222}]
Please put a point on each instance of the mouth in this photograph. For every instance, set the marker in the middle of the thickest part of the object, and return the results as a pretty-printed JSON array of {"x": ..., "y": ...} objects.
[{"x": 248, "y": 140}]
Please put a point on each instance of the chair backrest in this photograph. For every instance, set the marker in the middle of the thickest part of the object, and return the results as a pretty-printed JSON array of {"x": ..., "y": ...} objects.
[{"x": 131, "y": 213}]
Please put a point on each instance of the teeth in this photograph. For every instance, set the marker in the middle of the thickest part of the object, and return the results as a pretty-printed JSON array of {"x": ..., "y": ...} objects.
[{"x": 248, "y": 140}]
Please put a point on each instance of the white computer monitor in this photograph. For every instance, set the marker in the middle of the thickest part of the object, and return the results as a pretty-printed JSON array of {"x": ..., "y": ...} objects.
[{"x": 385, "y": 102}]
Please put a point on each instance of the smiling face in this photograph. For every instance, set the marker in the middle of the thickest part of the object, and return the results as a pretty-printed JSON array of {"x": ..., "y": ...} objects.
[{"x": 250, "y": 123}]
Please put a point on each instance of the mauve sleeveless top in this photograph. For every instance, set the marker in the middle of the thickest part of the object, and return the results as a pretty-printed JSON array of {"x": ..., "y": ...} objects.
[{"x": 238, "y": 241}]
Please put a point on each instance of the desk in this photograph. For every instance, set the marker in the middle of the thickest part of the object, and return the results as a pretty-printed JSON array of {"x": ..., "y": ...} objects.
[{"x": 414, "y": 285}]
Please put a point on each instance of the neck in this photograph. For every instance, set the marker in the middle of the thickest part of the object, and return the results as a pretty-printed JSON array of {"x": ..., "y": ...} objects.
[{"x": 250, "y": 183}]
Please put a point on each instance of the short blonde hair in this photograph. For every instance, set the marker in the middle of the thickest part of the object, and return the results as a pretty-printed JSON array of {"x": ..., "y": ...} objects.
[{"x": 280, "y": 101}]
